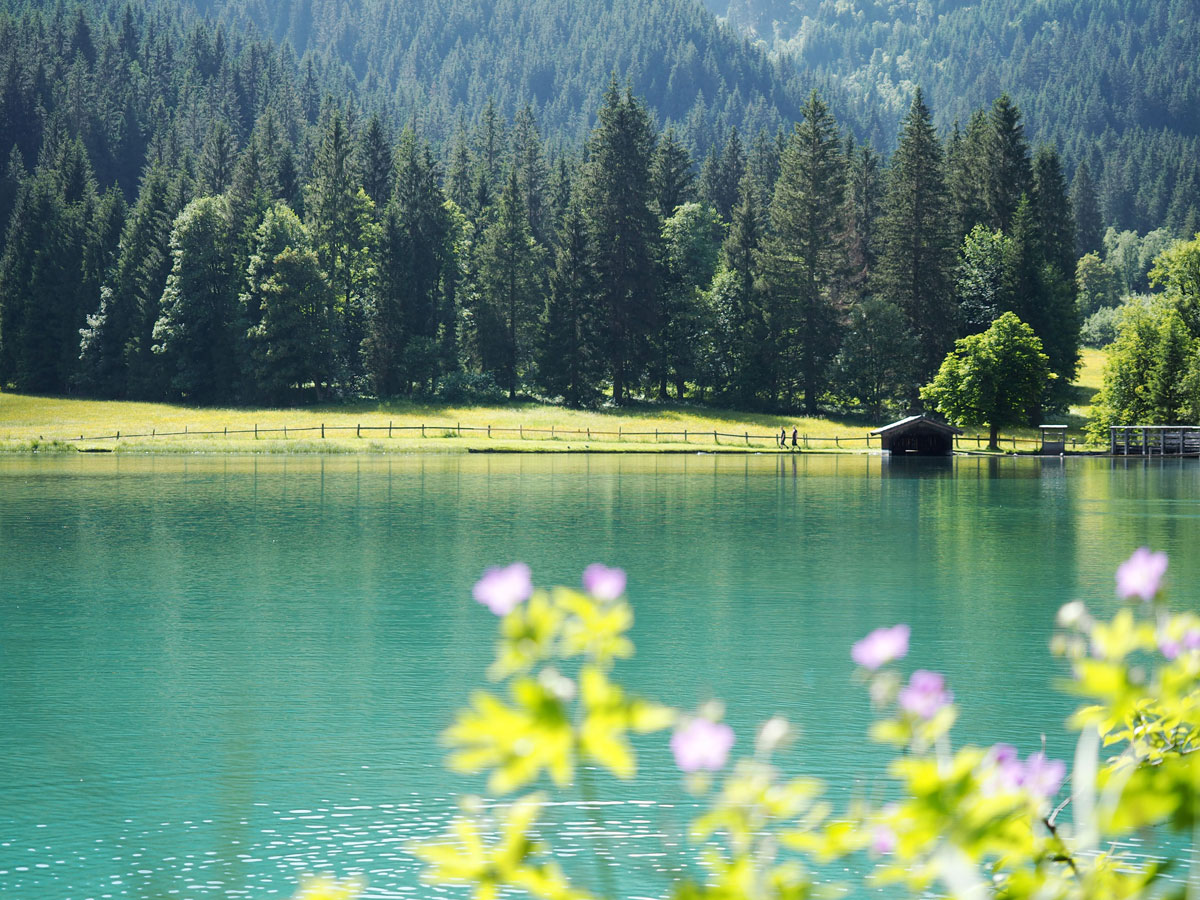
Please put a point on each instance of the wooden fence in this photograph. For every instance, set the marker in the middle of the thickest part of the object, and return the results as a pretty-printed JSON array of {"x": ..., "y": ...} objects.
[
  {"x": 457, "y": 430},
  {"x": 1154, "y": 440}
]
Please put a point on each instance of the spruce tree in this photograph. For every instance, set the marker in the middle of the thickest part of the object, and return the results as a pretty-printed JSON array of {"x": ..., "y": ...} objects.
[
  {"x": 1089, "y": 226},
  {"x": 375, "y": 162},
  {"x": 1052, "y": 206},
  {"x": 533, "y": 175},
  {"x": 722, "y": 176},
  {"x": 672, "y": 178},
  {"x": 1008, "y": 173},
  {"x": 801, "y": 259},
  {"x": 624, "y": 232},
  {"x": 217, "y": 159},
  {"x": 860, "y": 218},
  {"x": 510, "y": 289},
  {"x": 916, "y": 234},
  {"x": 569, "y": 362},
  {"x": 966, "y": 168}
]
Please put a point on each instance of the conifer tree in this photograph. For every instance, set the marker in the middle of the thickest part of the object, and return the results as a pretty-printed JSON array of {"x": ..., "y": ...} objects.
[
  {"x": 743, "y": 349},
  {"x": 1089, "y": 226},
  {"x": 860, "y": 218},
  {"x": 569, "y": 363},
  {"x": 1008, "y": 173},
  {"x": 509, "y": 261},
  {"x": 672, "y": 178},
  {"x": 722, "y": 176},
  {"x": 917, "y": 259},
  {"x": 966, "y": 165},
  {"x": 624, "y": 231},
  {"x": 340, "y": 221},
  {"x": 1169, "y": 399},
  {"x": 1052, "y": 206},
  {"x": 375, "y": 162},
  {"x": 217, "y": 159},
  {"x": 801, "y": 259},
  {"x": 533, "y": 174}
]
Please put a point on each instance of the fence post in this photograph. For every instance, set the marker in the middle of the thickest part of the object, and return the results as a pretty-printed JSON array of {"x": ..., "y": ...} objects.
[
  {"x": 589, "y": 432},
  {"x": 460, "y": 429},
  {"x": 389, "y": 429},
  {"x": 747, "y": 439},
  {"x": 489, "y": 431},
  {"x": 521, "y": 431},
  {"x": 152, "y": 430},
  {"x": 715, "y": 441},
  {"x": 422, "y": 429},
  {"x": 358, "y": 430},
  {"x": 118, "y": 435},
  {"x": 322, "y": 431},
  {"x": 285, "y": 432},
  {"x": 656, "y": 435},
  {"x": 551, "y": 431},
  {"x": 618, "y": 434},
  {"x": 226, "y": 431},
  {"x": 255, "y": 430},
  {"x": 837, "y": 442}
]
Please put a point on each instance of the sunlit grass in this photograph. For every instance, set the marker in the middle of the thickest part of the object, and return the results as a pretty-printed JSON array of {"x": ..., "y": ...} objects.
[{"x": 26, "y": 421}]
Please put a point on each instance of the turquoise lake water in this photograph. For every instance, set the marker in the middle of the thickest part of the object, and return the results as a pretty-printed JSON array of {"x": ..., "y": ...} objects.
[{"x": 219, "y": 673}]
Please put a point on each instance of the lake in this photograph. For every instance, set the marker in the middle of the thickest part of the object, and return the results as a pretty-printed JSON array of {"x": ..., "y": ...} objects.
[{"x": 219, "y": 673}]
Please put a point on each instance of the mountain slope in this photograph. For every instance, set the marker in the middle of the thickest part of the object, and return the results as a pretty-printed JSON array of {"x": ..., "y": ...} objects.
[{"x": 1112, "y": 82}]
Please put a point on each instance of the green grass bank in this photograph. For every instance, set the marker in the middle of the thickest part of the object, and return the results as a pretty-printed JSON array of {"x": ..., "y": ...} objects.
[{"x": 56, "y": 424}]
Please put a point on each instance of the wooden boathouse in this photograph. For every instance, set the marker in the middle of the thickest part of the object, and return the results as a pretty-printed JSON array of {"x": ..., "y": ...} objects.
[{"x": 918, "y": 435}]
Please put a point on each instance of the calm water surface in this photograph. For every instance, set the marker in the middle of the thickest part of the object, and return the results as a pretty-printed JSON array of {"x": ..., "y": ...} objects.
[{"x": 219, "y": 673}]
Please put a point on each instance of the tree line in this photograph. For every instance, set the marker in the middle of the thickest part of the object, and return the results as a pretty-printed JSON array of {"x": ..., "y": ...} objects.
[{"x": 799, "y": 270}]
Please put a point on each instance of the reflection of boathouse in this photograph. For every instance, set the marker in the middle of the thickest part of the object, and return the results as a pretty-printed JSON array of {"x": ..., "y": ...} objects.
[{"x": 918, "y": 435}]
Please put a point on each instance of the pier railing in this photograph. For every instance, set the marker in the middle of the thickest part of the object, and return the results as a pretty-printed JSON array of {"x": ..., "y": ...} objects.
[{"x": 1154, "y": 440}]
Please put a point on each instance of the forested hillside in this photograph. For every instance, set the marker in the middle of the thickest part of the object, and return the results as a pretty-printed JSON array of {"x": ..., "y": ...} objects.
[{"x": 1110, "y": 82}]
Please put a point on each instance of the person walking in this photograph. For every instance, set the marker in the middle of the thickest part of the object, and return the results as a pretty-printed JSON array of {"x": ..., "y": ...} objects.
[
  {"x": 795, "y": 445},
  {"x": 783, "y": 438}
]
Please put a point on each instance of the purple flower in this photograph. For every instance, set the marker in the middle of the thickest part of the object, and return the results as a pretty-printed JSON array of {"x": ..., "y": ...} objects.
[
  {"x": 1007, "y": 771},
  {"x": 1043, "y": 777},
  {"x": 1169, "y": 648},
  {"x": 883, "y": 839},
  {"x": 1141, "y": 575},
  {"x": 702, "y": 744},
  {"x": 503, "y": 590},
  {"x": 604, "y": 583},
  {"x": 881, "y": 646},
  {"x": 925, "y": 694}
]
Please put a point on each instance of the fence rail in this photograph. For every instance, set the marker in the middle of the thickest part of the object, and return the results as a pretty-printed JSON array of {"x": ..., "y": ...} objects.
[
  {"x": 1154, "y": 440},
  {"x": 687, "y": 436}
]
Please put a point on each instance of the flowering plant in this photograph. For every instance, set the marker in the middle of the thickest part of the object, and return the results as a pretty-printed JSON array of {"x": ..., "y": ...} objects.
[{"x": 970, "y": 822}]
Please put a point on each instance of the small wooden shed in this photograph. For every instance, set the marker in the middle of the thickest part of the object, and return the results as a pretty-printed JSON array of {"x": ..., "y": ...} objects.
[{"x": 919, "y": 435}]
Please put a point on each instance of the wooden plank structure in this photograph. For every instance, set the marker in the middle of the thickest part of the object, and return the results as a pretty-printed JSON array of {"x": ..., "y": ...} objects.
[
  {"x": 919, "y": 435},
  {"x": 1054, "y": 439},
  {"x": 1155, "y": 440}
]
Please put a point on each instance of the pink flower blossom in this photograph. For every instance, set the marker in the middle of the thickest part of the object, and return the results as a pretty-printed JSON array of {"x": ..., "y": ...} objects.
[
  {"x": 925, "y": 694},
  {"x": 883, "y": 839},
  {"x": 702, "y": 744},
  {"x": 1007, "y": 772},
  {"x": 1141, "y": 575},
  {"x": 504, "y": 589},
  {"x": 604, "y": 583},
  {"x": 1171, "y": 648},
  {"x": 883, "y": 645},
  {"x": 1043, "y": 777}
]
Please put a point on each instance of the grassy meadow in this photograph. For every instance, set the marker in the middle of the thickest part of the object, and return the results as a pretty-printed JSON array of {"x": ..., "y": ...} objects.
[{"x": 32, "y": 422}]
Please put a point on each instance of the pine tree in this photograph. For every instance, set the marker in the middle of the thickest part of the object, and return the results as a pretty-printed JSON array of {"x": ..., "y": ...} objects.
[
  {"x": 743, "y": 350},
  {"x": 722, "y": 176},
  {"x": 569, "y": 363},
  {"x": 917, "y": 259},
  {"x": 339, "y": 217},
  {"x": 624, "y": 231},
  {"x": 801, "y": 262},
  {"x": 966, "y": 165},
  {"x": 510, "y": 289},
  {"x": 1052, "y": 206},
  {"x": 1089, "y": 227},
  {"x": 217, "y": 159},
  {"x": 673, "y": 181},
  {"x": 860, "y": 218},
  {"x": 1008, "y": 173},
  {"x": 532, "y": 174},
  {"x": 375, "y": 162}
]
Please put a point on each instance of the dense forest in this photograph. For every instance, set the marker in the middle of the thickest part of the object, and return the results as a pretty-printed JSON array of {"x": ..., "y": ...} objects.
[
  {"x": 1113, "y": 83},
  {"x": 196, "y": 211}
]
